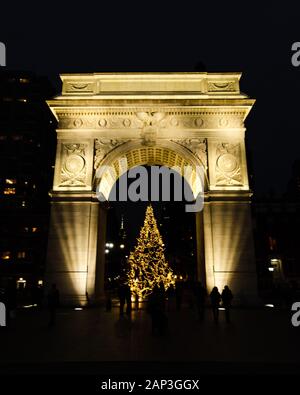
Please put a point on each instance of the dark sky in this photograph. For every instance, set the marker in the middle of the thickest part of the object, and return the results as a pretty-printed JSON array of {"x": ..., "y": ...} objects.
[{"x": 57, "y": 37}]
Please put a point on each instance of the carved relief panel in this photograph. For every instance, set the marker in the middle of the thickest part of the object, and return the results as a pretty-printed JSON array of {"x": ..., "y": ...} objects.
[
  {"x": 73, "y": 162},
  {"x": 227, "y": 164},
  {"x": 197, "y": 147},
  {"x": 103, "y": 146}
]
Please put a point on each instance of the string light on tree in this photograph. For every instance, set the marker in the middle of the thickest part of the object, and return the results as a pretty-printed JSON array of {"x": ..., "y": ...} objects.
[{"x": 147, "y": 263}]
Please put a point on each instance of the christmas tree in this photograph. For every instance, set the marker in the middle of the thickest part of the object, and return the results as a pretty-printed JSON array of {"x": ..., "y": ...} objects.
[{"x": 147, "y": 264}]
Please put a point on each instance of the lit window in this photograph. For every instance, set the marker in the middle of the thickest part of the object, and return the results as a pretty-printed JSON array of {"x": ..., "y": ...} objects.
[
  {"x": 5, "y": 255},
  {"x": 24, "y": 80},
  {"x": 21, "y": 254},
  {"x": 34, "y": 230},
  {"x": 23, "y": 203},
  {"x": 21, "y": 283},
  {"x": 11, "y": 181},
  {"x": 9, "y": 191}
]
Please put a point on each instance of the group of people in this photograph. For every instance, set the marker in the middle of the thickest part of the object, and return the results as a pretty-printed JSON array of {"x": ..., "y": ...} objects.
[
  {"x": 216, "y": 298},
  {"x": 156, "y": 304},
  {"x": 215, "y": 301}
]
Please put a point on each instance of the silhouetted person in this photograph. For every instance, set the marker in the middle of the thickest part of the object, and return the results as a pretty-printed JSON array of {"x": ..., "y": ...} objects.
[
  {"x": 226, "y": 300},
  {"x": 215, "y": 299},
  {"x": 156, "y": 308},
  {"x": 128, "y": 299},
  {"x": 53, "y": 304},
  {"x": 122, "y": 297},
  {"x": 125, "y": 296},
  {"x": 200, "y": 300}
]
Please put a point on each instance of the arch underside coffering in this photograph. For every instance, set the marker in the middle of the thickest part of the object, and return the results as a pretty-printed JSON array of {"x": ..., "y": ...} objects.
[{"x": 131, "y": 155}]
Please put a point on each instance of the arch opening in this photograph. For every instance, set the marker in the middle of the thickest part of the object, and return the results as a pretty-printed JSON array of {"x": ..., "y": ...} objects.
[
  {"x": 119, "y": 162},
  {"x": 176, "y": 226}
]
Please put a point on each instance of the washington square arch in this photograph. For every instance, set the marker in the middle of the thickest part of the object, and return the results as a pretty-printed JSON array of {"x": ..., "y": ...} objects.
[{"x": 168, "y": 119}]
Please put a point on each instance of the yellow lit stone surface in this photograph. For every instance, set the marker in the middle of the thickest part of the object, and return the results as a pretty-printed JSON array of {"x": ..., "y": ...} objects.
[{"x": 126, "y": 119}]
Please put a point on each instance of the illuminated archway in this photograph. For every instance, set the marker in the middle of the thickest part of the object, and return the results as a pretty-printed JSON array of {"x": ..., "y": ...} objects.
[{"x": 121, "y": 120}]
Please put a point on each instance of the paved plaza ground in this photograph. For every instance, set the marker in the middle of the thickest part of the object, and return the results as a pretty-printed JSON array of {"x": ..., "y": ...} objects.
[{"x": 261, "y": 337}]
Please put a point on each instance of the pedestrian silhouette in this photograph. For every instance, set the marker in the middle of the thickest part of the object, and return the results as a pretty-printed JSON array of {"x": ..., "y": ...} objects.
[
  {"x": 215, "y": 299},
  {"x": 53, "y": 304},
  {"x": 156, "y": 309},
  {"x": 128, "y": 299},
  {"x": 226, "y": 301},
  {"x": 124, "y": 296}
]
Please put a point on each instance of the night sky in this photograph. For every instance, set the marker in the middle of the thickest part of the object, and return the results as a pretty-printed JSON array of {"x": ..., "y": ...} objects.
[{"x": 54, "y": 37}]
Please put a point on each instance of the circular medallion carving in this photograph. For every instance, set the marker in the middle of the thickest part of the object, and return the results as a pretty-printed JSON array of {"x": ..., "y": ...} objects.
[
  {"x": 163, "y": 123},
  {"x": 102, "y": 122},
  {"x": 74, "y": 164},
  {"x": 198, "y": 122},
  {"x": 174, "y": 122},
  {"x": 126, "y": 122},
  {"x": 223, "y": 122},
  {"x": 78, "y": 122},
  {"x": 227, "y": 163}
]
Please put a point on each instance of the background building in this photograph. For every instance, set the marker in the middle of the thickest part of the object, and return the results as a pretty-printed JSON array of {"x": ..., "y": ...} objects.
[
  {"x": 27, "y": 145},
  {"x": 276, "y": 220}
]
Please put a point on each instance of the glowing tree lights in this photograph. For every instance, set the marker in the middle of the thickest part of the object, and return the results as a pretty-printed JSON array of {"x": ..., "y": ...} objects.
[{"x": 147, "y": 264}]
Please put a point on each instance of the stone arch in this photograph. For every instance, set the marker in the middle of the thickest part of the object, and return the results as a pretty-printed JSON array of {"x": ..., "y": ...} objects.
[
  {"x": 194, "y": 119},
  {"x": 132, "y": 154}
]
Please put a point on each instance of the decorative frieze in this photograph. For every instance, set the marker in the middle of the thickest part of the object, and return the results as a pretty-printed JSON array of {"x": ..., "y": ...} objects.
[{"x": 168, "y": 119}]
